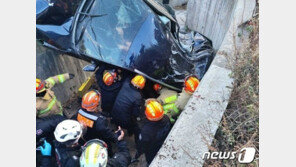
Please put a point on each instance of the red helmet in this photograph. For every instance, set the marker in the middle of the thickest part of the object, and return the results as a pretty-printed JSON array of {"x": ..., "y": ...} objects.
[
  {"x": 154, "y": 110},
  {"x": 157, "y": 87},
  {"x": 190, "y": 84},
  {"x": 109, "y": 77},
  {"x": 91, "y": 100},
  {"x": 40, "y": 86}
]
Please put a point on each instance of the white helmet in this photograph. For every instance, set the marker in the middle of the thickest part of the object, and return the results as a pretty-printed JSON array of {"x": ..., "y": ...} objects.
[
  {"x": 68, "y": 132},
  {"x": 95, "y": 154}
]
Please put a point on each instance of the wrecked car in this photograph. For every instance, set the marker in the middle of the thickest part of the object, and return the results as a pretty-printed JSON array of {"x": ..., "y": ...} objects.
[{"x": 141, "y": 36}]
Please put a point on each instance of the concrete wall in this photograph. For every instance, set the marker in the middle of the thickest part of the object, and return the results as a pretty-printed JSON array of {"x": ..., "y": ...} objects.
[
  {"x": 210, "y": 17},
  {"x": 50, "y": 63},
  {"x": 195, "y": 129}
]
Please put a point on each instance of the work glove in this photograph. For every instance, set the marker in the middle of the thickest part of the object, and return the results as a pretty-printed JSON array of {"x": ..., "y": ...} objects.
[
  {"x": 71, "y": 76},
  {"x": 45, "y": 149}
]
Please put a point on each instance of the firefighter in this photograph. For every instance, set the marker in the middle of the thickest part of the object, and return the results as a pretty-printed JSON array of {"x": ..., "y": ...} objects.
[
  {"x": 173, "y": 103},
  {"x": 97, "y": 125},
  {"x": 128, "y": 104},
  {"x": 46, "y": 102},
  {"x": 110, "y": 82},
  {"x": 67, "y": 149},
  {"x": 66, "y": 144},
  {"x": 95, "y": 153},
  {"x": 154, "y": 131},
  {"x": 168, "y": 99},
  {"x": 44, "y": 131},
  {"x": 190, "y": 85}
]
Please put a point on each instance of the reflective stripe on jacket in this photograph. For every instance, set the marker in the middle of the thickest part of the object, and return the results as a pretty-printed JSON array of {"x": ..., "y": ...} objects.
[
  {"x": 48, "y": 104},
  {"x": 51, "y": 81}
]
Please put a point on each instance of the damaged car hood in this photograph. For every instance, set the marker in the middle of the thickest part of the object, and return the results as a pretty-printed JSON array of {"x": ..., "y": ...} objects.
[{"x": 129, "y": 34}]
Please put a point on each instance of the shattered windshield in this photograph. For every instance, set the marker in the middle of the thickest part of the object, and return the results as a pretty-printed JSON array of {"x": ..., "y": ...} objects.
[{"x": 109, "y": 29}]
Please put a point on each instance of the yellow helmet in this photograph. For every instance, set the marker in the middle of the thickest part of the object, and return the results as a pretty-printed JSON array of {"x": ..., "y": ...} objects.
[
  {"x": 138, "y": 81},
  {"x": 94, "y": 153}
]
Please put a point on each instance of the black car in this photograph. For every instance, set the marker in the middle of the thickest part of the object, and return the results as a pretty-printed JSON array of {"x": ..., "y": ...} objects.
[{"x": 141, "y": 36}]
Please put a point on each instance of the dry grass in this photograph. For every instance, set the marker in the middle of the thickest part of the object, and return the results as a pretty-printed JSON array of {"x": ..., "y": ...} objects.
[{"x": 240, "y": 124}]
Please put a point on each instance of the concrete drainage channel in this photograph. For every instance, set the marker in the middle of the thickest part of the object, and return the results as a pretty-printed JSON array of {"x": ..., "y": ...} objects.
[{"x": 194, "y": 130}]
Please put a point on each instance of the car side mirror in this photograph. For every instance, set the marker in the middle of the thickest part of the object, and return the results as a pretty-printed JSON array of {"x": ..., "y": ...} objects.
[{"x": 90, "y": 67}]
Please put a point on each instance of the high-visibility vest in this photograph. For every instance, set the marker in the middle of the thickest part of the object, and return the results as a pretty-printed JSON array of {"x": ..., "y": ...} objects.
[{"x": 86, "y": 118}]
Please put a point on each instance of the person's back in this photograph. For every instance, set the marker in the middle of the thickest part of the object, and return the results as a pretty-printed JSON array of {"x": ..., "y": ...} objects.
[
  {"x": 100, "y": 128},
  {"x": 154, "y": 130},
  {"x": 153, "y": 135},
  {"x": 109, "y": 85},
  {"x": 127, "y": 105},
  {"x": 67, "y": 149},
  {"x": 96, "y": 124}
]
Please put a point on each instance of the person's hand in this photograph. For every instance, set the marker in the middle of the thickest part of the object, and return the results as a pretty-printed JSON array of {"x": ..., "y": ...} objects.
[
  {"x": 45, "y": 149},
  {"x": 120, "y": 137},
  {"x": 71, "y": 76}
]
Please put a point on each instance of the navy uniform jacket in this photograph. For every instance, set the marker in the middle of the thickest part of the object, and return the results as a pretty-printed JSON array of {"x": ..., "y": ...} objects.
[
  {"x": 100, "y": 129},
  {"x": 127, "y": 106},
  {"x": 108, "y": 93},
  {"x": 152, "y": 136}
]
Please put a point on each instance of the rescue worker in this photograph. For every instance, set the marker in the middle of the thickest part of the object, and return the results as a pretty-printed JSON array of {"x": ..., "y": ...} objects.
[
  {"x": 110, "y": 82},
  {"x": 95, "y": 153},
  {"x": 173, "y": 103},
  {"x": 190, "y": 85},
  {"x": 168, "y": 99},
  {"x": 128, "y": 105},
  {"x": 97, "y": 125},
  {"x": 46, "y": 102},
  {"x": 67, "y": 149},
  {"x": 154, "y": 131}
]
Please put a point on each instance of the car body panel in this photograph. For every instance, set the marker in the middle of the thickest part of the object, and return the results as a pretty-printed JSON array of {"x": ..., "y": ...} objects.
[{"x": 129, "y": 34}]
